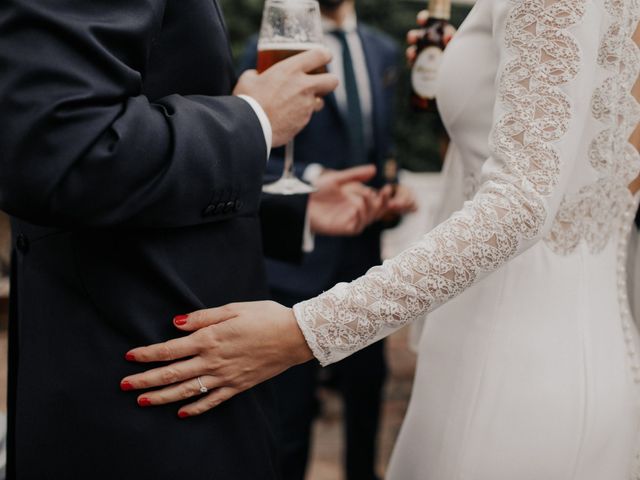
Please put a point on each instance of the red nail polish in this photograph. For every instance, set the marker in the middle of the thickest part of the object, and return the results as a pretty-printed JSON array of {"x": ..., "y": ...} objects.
[
  {"x": 180, "y": 320},
  {"x": 126, "y": 386},
  {"x": 144, "y": 402},
  {"x": 183, "y": 414},
  {"x": 130, "y": 357}
]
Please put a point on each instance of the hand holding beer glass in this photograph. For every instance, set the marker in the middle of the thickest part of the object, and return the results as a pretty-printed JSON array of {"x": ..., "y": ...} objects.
[{"x": 288, "y": 27}]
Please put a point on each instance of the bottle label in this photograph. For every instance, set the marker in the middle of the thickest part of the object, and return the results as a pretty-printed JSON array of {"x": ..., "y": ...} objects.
[{"x": 425, "y": 72}]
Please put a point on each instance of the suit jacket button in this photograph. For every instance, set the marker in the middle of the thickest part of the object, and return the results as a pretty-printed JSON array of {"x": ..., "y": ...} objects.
[
  {"x": 238, "y": 205},
  {"x": 219, "y": 208},
  {"x": 210, "y": 210},
  {"x": 22, "y": 243},
  {"x": 229, "y": 207}
]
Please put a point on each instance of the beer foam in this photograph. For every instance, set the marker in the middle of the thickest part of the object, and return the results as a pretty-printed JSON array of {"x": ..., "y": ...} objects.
[{"x": 262, "y": 46}]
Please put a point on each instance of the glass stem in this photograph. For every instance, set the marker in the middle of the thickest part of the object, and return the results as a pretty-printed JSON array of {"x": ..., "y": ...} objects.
[{"x": 288, "y": 161}]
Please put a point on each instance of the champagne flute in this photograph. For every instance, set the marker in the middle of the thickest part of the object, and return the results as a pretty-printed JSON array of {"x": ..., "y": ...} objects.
[{"x": 288, "y": 27}]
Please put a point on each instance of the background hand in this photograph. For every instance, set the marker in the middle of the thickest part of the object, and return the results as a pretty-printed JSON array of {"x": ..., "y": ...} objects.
[
  {"x": 403, "y": 202},
  {"x": 343, "y": 206},
  {"x": 414, "y": 35},
  {"x": 232, "y": 349},
  {"x": 288, "y": 93}
]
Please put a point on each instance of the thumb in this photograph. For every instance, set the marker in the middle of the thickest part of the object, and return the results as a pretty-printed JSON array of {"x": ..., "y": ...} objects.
[
  {"x": 362, "y": 173},
  {"x": 204, "y": 318}
]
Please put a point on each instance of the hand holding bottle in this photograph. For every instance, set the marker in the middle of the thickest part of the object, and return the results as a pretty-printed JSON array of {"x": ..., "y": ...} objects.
[
  {"x": 416, "y": 34},
  {"x": 425, "y": 52}
]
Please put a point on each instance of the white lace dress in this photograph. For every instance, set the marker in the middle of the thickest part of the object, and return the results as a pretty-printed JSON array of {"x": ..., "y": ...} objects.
[{"x": 529, "y": 366}]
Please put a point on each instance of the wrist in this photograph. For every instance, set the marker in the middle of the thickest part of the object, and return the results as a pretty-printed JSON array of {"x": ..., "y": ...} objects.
[{"x": 298, "y": 348}]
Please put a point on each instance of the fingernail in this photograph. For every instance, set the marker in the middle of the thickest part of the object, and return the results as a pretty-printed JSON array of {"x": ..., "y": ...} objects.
[
  {"x": 180, "y": 320},
  {"x": 126, "y": 386},
  {"x": 130, "y": 357},
  {"x": 144, "y": 402},
  {"x": 183, "y": 414}
]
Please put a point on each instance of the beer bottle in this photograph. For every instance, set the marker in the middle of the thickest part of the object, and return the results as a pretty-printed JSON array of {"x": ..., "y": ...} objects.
[{"x": 430, "y": 47}]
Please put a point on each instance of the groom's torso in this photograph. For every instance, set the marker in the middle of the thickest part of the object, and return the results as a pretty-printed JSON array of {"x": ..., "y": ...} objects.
[{"x": 83, "y": 297}]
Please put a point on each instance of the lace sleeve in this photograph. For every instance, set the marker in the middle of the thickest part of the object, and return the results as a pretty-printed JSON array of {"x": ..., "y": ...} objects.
[{"x": 543, "y": 81}]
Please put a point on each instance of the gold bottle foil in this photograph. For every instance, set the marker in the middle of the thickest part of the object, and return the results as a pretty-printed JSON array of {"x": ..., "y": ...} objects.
[{"x": 440, "y": 9}]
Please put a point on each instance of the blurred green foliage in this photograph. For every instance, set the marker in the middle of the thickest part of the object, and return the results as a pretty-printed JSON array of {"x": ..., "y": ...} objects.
[{"x": 416, "y": 133}]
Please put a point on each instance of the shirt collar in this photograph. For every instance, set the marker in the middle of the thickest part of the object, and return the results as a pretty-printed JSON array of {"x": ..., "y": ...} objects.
[{"x": 350, "y": 24}]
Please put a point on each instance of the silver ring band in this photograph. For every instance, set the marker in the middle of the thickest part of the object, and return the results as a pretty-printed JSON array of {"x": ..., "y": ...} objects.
[{"x": 203, "y": 389}]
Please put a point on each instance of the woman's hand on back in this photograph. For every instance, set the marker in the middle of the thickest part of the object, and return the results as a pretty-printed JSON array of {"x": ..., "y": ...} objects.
[{"x": 231, "y": 349}]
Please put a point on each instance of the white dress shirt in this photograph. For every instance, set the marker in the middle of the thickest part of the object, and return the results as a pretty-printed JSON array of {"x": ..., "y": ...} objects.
[
  {"x": 264, "y": 120},
  {"x": 350, "y": 28}
]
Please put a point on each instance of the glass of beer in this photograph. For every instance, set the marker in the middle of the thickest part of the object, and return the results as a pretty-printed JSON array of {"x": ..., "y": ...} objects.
[{"x": 288, "y": 27}]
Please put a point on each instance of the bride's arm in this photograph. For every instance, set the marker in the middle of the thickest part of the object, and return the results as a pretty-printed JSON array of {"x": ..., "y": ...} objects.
[
  {"x": 548, "y": 54},
  {"x": 547, "y": 69}
]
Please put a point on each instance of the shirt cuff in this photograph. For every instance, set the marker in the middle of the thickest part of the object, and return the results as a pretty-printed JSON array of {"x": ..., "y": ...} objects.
[
  {"x": 308, "y": 238},
  {"x": 312, "y": 173},
  {"x": 264, "y": 120}
]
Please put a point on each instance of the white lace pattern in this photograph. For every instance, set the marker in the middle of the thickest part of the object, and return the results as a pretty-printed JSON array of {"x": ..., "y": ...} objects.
[
  {"x": 507, "y": 214},
  {"x": 592, "y": 214}
]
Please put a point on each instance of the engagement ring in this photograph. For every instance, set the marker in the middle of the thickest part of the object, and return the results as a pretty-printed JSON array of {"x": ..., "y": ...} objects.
[{"x": 203, "y": 389}]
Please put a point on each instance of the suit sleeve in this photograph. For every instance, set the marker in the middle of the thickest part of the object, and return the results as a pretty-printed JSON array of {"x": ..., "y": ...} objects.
[{"x": 82, "y": 146}]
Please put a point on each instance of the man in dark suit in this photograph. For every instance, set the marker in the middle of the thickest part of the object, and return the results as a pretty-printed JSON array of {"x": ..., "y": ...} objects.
[
  {"x": 133, "y": 177},
  {"x": 354, "y": 129}
]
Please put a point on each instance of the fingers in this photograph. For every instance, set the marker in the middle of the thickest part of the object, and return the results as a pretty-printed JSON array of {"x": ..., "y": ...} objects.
[
  {"x": 205, "y": 318},
  {"x": 387, "y": 191},
  {"x": 422, "y": 17},
  {"x": 402, "y": 206},
  {"x": 449, "y": 32},
  {"x": 360, "y": 212},
  {"x": 411, "y": 54},
  {"x": 319, "y": 104},
  {"x": 385, "y": 196},
  {"x": 414, "y": 35},
  {"x": 382, "y": 199},
  {"x": 308, "y": 61},
  {"x": 403, "y": 202},
  {"x": 167, "y": 375},
  {"x": 412, "y": 38},
  {"x": 409, "y": 199},
  {"x": 369, "y": 204},
  {"x": 165, "y": 351},
  {"x": 186, "y": 346},
  {"x": 362, "y": 173},
  {"x": 212, "y": 400},
  {"x": 179, "y": 392},
  {"x": 323, "y": 84}
]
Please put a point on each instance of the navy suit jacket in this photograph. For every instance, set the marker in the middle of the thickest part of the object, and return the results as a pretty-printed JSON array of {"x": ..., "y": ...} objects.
[
  {"x": 325, "y": 141},
  {"x": 134, "y": 182}
]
